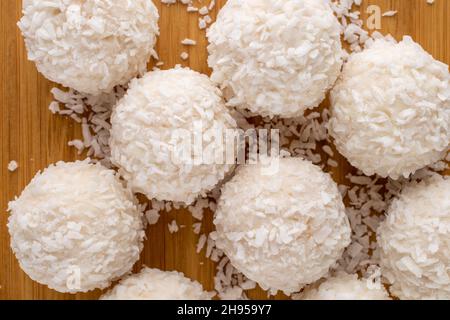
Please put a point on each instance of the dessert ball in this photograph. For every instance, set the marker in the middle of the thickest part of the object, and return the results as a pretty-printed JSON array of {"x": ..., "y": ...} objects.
[
  {"x": 75, "y": 227},
  {"x": 275, "y": 57},
  {"x": 91, "y": 45},
  {"x": 283, "y": 227},
  {"x": 391, "y": 109},
  {"x": 163, "y": 135},
  {"x": 415, "y": 241},
  {"x": 154, "y": 284},
  {"x": 345, "y": 287}
]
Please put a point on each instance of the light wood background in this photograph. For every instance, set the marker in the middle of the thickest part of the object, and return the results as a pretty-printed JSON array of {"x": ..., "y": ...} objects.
[{"x": 35, "y": 138}]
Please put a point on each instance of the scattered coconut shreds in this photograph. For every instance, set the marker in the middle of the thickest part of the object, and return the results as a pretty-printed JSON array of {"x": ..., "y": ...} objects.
[
  {"x": 12, "y": 166},
  {"x": 366, "y": 197},
  {"x": 94, "y": 113},
  {"x": 204, "y": 10},
  {"x": 351, "y": 24}
]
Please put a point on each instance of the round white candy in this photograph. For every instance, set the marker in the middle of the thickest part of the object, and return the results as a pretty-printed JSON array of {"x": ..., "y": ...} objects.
[
  {"x": 154, "y": 284},
  {"x": 75, "y": 227},
  {"x": 391, "y": 109},
  {"x": 415, "y": 241},
  {"x": 345, "y": 287},
  {"x": 275, "y": 57},
  {"x": 161, "y": 114},
  {"x": 283, "y": 225},
  {"x": 91, "y": 45}
]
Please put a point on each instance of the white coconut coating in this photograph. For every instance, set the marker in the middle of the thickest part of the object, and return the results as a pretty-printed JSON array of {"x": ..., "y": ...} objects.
[
  {"x": 92, "y": 45},
  {"x": 415, "y": 241},
  {"x": 75, "y": 227},
  {"x": 154, "y": 284},
  {"x": 282, "y": 228},
  {"x": 391, "y": 109},
  {"x": 149, "y": 127},
  {"x": 345, "y": 287},
  {"x": 275, "y": 57}
]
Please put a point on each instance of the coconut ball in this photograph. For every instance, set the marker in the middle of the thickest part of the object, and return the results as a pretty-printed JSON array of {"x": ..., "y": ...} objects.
[
  {"x": 157, "y": 129},
  {"x": 345, "y": 287},
  {"x": 275, "y": 57},
  {"x": 75, "y": 227},
  {"x": 391, "y": 109},
  {"x": 154, "y": 284},
  {"x": 91, "y": 45},
  {"x": 283, "y": 225},
  {"x": 415, "y": 241}
]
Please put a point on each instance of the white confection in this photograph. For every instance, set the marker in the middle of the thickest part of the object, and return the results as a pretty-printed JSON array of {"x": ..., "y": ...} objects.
[
  {"x": 282, "y": 228},
  {"x": 345, "y": 287},
  {"x": 154, "y": 284},
  {"x": 91, "y": 45},
  {"x": 415, "y": 241},
  {"x": 275, "y": 57},
  {"x": 75, "y": 227},
  {"x": 391, "y": 109},
  {"x": 149, "y": 125}
]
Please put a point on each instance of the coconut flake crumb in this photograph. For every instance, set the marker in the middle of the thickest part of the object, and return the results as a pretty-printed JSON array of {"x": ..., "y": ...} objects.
[
  {"x": 203, "y": 11},
  {"x": 12, "y": 166},
  {"x": 202, "y": 23},
  {"x": 188, "y": 42},
  {"x": 201, "y": 243},
  {"x": 184, "y": 56},
  {"x": 168, "y": 2},
  {"x": 390, "y": 13},
  {"x": 173, "y": 227},
  {"x": 54, "y": 107},
  {"x": 152, "y": 216},
  {"x": 192, "y": 9},
  {"x": 196, "y": 227}
]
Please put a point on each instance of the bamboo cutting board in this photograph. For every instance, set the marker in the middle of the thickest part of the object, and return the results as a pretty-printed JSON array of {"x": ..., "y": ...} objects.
[{"x": 35, "y": 138}]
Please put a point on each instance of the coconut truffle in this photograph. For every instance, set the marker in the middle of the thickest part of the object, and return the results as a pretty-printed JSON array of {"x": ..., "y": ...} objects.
[
  {"x": 92, "y": 45},
  {"x": 415, "y": 241},
  {"x": 162, "y": 113},
  {"x": 391, "y": 109},
  {"x": 283, "y": 225},
  {"x": 154, "y": 284},
  {"x": 345, "y": 287},
  {"x": 75, "y": 227},
  {"x": 275, "y": 57}
]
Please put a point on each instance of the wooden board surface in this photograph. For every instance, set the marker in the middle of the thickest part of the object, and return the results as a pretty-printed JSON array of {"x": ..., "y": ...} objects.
[{"x": 35, "y": 138}]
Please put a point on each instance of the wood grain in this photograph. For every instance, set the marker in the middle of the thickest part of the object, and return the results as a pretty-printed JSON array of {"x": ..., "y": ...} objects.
[{"x": 35, "y": 138}]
